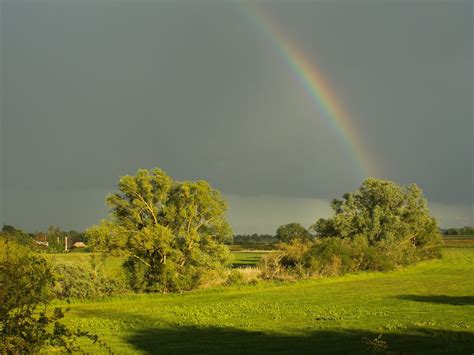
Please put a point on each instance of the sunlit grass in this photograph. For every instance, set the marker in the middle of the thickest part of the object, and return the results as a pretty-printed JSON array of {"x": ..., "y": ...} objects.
[{"x": 428, "y": 307}]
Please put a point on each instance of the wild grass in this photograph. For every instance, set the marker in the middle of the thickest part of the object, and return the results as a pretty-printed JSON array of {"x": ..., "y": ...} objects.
[{"x": 425, "y": 308}]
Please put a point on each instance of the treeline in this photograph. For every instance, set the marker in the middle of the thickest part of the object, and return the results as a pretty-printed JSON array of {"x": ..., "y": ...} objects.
[
  {"x": 253, "y": 242},
  {"x": 468, "y": 231},
  {"x": 254, "y": 239}
]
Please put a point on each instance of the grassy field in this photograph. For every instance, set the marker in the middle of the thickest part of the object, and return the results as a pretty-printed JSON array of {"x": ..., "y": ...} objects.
[
  {"x": 246, "y": 258},
  {"x": 427, "y": 308}
]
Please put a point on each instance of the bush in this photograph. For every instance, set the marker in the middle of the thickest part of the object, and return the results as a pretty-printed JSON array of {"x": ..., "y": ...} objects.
[
  {"x": 294, "y": 251},
  {"x": 172, "y": 277},
  {"x": 80, "y": 280},
  {"x": 235, "y": 277},
  {"x": 330, "y": 257},
  {"x": 270, "y": 265},
  {"x": 26, "y": 323}
]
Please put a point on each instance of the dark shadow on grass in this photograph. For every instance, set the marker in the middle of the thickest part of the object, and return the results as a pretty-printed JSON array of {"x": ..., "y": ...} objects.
[
  {"x": 240, "y": 265},
  {"x": 215, "y": 340},
  {"x": 451, "y": 300}
]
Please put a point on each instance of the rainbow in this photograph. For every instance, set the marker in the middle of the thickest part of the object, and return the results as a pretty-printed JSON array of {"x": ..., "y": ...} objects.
[{"x": 307, "y": 73}]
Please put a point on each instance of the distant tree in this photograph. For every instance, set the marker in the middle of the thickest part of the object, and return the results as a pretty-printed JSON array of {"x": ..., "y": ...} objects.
[
  {"x": 55, "y": 237},
  {"x": 75, "y": 236},
  {"x": 291, "y": 231},
  {"x": 383, "y": 212},
  {"x": 7, "y": 228},
  {"x": 173, "y": 231},
  {"x": 16, "y": 235},
  {"x": 459, "y": 231}
]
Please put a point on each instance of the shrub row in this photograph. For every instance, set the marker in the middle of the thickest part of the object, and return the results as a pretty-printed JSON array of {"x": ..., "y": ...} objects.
[
  {"x": 82, "y": 281},
  {"x": 335, "y": 256}
]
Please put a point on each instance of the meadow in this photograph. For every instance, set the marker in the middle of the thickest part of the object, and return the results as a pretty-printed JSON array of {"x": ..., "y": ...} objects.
[{"x": 424, "y": 308}]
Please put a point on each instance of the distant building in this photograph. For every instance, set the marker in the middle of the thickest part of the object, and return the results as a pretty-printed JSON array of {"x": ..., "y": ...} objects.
[
  {"x": 41, "y": 242},
  {"x": 41, "y": 239},
  {"x": 79, "y": 245}
]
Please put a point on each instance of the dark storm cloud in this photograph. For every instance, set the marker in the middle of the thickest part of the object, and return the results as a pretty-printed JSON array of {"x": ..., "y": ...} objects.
[{"x": 96, "y": 90}]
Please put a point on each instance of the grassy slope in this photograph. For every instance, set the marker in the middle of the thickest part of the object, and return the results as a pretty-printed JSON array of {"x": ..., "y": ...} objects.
[{"x": 424, "y": 308}]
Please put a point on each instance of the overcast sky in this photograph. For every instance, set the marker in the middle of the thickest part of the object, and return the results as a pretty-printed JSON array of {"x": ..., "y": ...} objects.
[{"x": 93, "y": 90}]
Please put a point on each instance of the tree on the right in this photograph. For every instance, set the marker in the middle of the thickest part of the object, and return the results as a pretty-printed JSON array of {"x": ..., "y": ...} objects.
[{"x": 391, "y": 216}]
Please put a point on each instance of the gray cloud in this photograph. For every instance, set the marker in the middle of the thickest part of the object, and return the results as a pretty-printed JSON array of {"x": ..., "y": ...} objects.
[
  {"x": 78, "y": 209},
  {"x": 92, "y": 90}
]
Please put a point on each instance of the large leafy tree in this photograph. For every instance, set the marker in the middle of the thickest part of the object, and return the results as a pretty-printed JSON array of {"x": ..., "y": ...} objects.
[
  {"x": 386, "y": 214},
  {"x": 173, "y": 231}
]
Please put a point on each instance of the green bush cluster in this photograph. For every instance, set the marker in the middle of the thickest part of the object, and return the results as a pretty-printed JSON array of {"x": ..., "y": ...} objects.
[
  {"x": 334, "y": 256},
  {"x": 171, "y": 276},
  {"x": 80, "y": 280},
  {"x": 381, "y": 226},
  {"x": 27, "y": 324}
]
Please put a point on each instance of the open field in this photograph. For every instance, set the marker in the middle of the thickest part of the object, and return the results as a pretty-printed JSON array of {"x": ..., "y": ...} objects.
[
  {"x": 426, "y": 308},
  {"x": 247, "y": 258}
]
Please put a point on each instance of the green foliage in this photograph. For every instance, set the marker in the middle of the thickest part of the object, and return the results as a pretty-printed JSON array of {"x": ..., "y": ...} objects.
[
  {"x": 253, "y": 241},
  {"x": 173, "y": 231},
  {"x": 466, "y": 231},
  {"x": 26, "y": 323},
  {"x": 55, "y": 238},
  {"x": 379, "y": 227},
  {"x": 288, "y": 232},
  {"x": 16, "y": 235},
  {"x": 84, "y": 281},
  {"x": 335, "y": 256},
  {"x": 391, "y": 217},
  {"x": 235, "y": 277},
  {"x": 294, "y": 251}
]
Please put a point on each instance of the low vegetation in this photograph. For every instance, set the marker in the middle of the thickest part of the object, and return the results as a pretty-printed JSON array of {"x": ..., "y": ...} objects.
[{"x": 27, "y": 323}]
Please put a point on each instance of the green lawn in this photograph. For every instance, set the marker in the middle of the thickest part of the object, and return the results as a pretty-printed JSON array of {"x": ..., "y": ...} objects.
[
  {"x": 426, "y": 308},
  {"x": 246, "y": 258}
]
